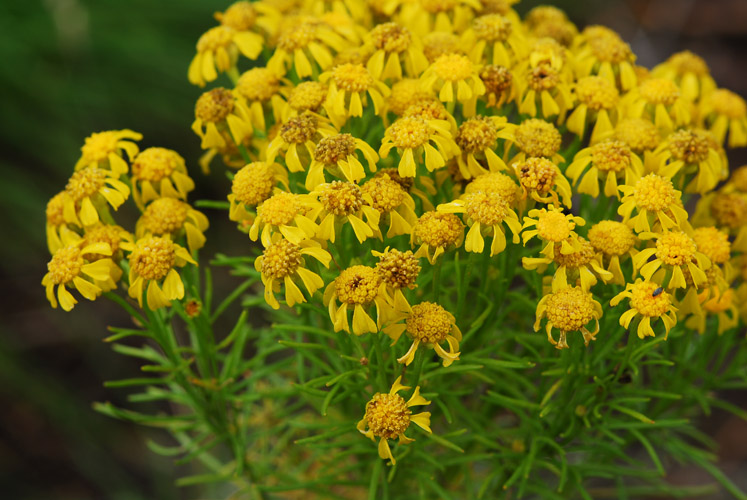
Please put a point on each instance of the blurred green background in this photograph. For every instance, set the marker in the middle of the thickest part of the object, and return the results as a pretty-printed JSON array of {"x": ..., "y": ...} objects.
[{"x": 71, "y": 67}]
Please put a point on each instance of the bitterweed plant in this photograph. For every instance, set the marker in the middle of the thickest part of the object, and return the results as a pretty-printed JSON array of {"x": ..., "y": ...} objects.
[{"x": 481, "y": 257}]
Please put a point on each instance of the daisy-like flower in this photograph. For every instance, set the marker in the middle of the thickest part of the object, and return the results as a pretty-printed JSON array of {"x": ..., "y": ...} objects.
[
  {"x": 157, "y": 173},
  {"x": 648, "y": 301},
  {"x": 395, "y": 48},
  {"x": 676, "y": 252},
  {"x": 111, "y": 234},
  {"x": 299, "y": 132},
  {"x": 600, "y": 51},
  {"x": 612, "y": 159},
  {"x": 89, "y": 191},
  {"x": 723, "y": 305},
  {"x": 258, "y": 89},
  {"x": 394, "y": 204},
  {"x": 406, "y": 93},
  {"x": 286, "y": 213},
  {"x": 543, "y": 181},
  {"x": 640, "y": 134},
  {"x": 252, "y": 185},
  {"x": 545, "y": 21},
  {"x": 725, "y": 112},
  {"x": 428, "y": 324},
  {"x": 388, "y": 416},
  {"x": 653, "y": 198},
  {"x": 436, "y": 232},
  {"x": 485, "y": 213},
  {"x": 153, "y": 260},
  {"x": 412, "y": 136},
  {"x": 357, "y": 288},
  {"x": 534, "y": 138},
  {"x": 398, "y": 270},
  {"x": 693, "y": 153},
  {"x": 495, "y": 182},
  {"x": 713, "y": 243},
  {"x": 729, "y": 210},
  {"x": 56, "y": 223},
  {"x": 494, "y": 40},
  {"x": 438, "y": 43},
  {"x": 83, "y": 267},
  {"x": 424, "y": 190},
  {"x": 552, "y": 226},
  {"x": 425, "y": 16},
  {"x": 340, "y": 203},
  {"x": 689, "y": 71},
  {"x": 218, "y": 50},
  {"x": 580, "y": 267},
  {"x": 173, "y": 218},
  {"x": 598, "y": 100},
  {"x": 660, "y": 101},
  {"x": 282, "y": 262},
  {"x": 499, "y": 85},
  {"x": 305, "y": 43},
  {"x": 543, "y": 91},
  {"x": 337, "y": 154},
  {"x": 431, "y": 109},
  {"x": 348, "y": 86},
  {"x": 568, "y": 309},
  {"x": 306, "y": 96},
  {"x": 105, "y": 150},
  {"x": 613, "y": 240},
  {"x": 478, "y": 138},
  {"x": 455, "y": 78},
  {"x": 218, "y": 110}
]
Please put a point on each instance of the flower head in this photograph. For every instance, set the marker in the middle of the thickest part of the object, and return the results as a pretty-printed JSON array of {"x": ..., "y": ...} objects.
[
  {"x": 252, "y": 185},
  {"x": 159, "y": 172},
  {"x": 412, "y": 136},
  {"x": 393, "y": 203},
  {"x": 169, "y": 216},
  {"x": 89, "y": 191},
  {"x": 648, "y": 301},
  {"x": 725, "y": 112},
  {"x": 653, "y": 197},
  {"x": 284, "y": 212},
  {"x": 477, "y": 139},
  {"x": 297, "y": 138},
  {"x": 348, "y": 86},
  {"x": 689, "y": 71},
  {"x": 613, "y": 240},
  {"x": 396, "y": 53},
  {"x": 106, "y": 150},
  {"x": 580, "y": 267},
  {"x": 217, "y": 111},
  {"x": 495, "y": 182},
  {"x": 535, "y": 138},
  {"x": 612, "y": 159},
  {"x": 693, "y": 153},
  {"x": 499, "y": 85},
  {"x": 356, "y": 288},
  {"x": 455, "y": 78},
  {"x": 639, "y": 134},
  {"x": 598, "y": 99},
  {"x": 677, "y": 252},
  {"x": 218, "y": 50},
  {"x": 304, "y": 44},
  {"x": 542, "y": 180},
  {"x": 602, "y": 52},
  {"x": 337, "y": 154},
  {"x": 398, "y": 270},
  {"x": 428, "y": 324},
  {"x": 568, "y": 309},
  {"x": 660, "y": 101},
  {"x": 436, "y": 232},
  {"x": 552, "y": 226},
  {"x": 713, "y": 243},
  {"x": 340, "y": 203}
]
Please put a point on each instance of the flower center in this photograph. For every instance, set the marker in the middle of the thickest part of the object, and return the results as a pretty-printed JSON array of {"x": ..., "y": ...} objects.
[
  {"x": 537, "y": 174},
  {"x": 387, "y": 415},
  {"x": 154, "y": 164},
  {"x": 675, "y": 248},
  {"x": 554, "y": 226},
  {"x": 638, "y": 133},
  {"x": 538, "y": 138},
  {"x": 569, "y": 309},
  {"x": 648, "y": 304},
  {"x": 597, "y": 92},
  {"x": 86, "y": 182},
  {"x": 578, "y": 258},
  {"x": 399, "y": 269},
  {"x": 611, "y": 237},
  {"x": 495, "y": 182},
  {"x": 409, "y": 132},
  {"x": 405, "y": 182},
  {"x": 438, "y": 43},
  {"x": 299, "y": 129},
  {"x": 611, "y": 156},
  {"x": 607, "y": 46},
  {"x": 153, "y": 257},
  {"x": 727, "y": 103},
  {"x": 729, "y": 209},
  {"x": 453, "y": 67},
  {"x": 358, "y": 285},
  {"x": 280, "y": 259},
  {"x": 427, "y": 109},
  {"x": 659, "y": 91},
  {"x": 214, "y": 105},
  {"x": 164, "y": 216},
  {"x": 65, "y": 265},
  {"x": 352, "y": 77},
  {"x": 331, "y": 150},
  {"x": 239, "y": 16},
  {"x": 654, "y": 193},
  {"x": 543, "y": 77},
  {"x": 429, "y": 323},
  {"x": 385, "y": 193},
  {"x": 215, "y": 38},
  {"x": 476, "y": 134},
  {"x": 98, "y": 146},
  {"x": 307, "y": 95},
  {"x": 497, "y": 79},
  {"x": 713, "y": 243},
  {"x": 298, "y": 36},
  {"x": 690, "y": 146},
  {"x": 487, "y": 208},
  {"x": 253, "y": 184},
  {"x": 390, "y": 37},
  {"x": 341, "y": 198},
  {"x": 279, "y": 209},
  {"x": 492, "y": 28},
  {"x": 258, "y": 84},
  {"x": 686, "y": 62},
  {"x": 55, "y": 209},
  {"x": 437, "y": 229},
  {"x": 105, "y": 233}
]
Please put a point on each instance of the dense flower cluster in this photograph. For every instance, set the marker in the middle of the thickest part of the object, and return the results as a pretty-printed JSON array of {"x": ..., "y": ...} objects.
[{"x": 395, "y": 128}]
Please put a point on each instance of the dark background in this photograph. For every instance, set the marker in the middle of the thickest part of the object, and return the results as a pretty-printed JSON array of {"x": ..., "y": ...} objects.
[{"x": 71, "y": 67}]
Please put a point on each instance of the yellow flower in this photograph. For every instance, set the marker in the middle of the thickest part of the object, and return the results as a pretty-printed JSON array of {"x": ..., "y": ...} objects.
[
  {"x": 568, "y": 309},
  {"x": 598, "y": 99},
  {"x": 580, "y": 267},
  {"x": 406, "y": 93},
  {"x": 485, "y": 213},
  {"x": 306, "y": 96},
  {"x": 648, "y": 302},
  {"x": 654, "y": 196},
  {"x": 348, "y": 86},
  {"x": 478, "y": 136},
  {"x": 713, "y": 243},
  {"x": 729, "y": 209},
  {"x": 218, "y": 110},
  {"x": 283, "y": 262},
  {"x": 435, "y": 232},
  {"x": 426, "y": 16},
  {"x": 56, "y": 223},
  {"x": 544, "y": 88},
  {"x": 493, "y": 39},
  {"x": 600, "y": 51},
  {"x": 339, "y": 203},
  {"x": 337, "y": 154},
  {"x": 89, "y": 191},
  {"x": 725, "y": 112},
  {"x": 286, "y": 213},
  {"x": 431, "y": 109},
  {"x": 388, "y": 416},
  {"x": 495, "y": 182},
  {"x": 613, "y": 158},
  {"x": 112, "y": 235},
  {"x": 535, "y": 138},
  {"x": 676, "y": 252},
  {"x": 258, "y": 90},
  {"x": 393, "y": 203},
  {"x": 427, "y": 324},
  {"x": 693, "y": 153},
  {"x": 542, "y": 180},
  {"x": 172, "y": 217},
  {"x": 157, "y": 173},
  {"x": 438, "y": 43},
  {"x": 454, "y": 75},
  {"x": 613, "y": 240},
  {"x": 659, "y": 101},
  {"x": 395, "y": 48},
  {"x": 154, "y": 259},
  {"x": 412, "y": 136},
  {"x": 76, "y": 264},
  {"x": 218, "y": 49},
  {"x": 425, "y": 189},
  {"x": 357, "y": 288},
  {"x": 550, "y": 22},
  {"x": 722, "y": 304},
  {"x": 303, "y": 45},
  {"x": 398, "y": 270},
  {"x": 104, "y": 150},
  {"x": 640, "y": 134},
  {"x": 552, "y": 226},
  {"x": 302, "y": 131},
  {"x": 499, "y": 85},
  {"x": 689, "y": 71},
  {"x": 252, "y": 185}
]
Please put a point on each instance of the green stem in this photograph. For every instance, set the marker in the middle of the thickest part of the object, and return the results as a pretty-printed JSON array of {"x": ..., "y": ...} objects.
[{"x": 436, "y": 280}]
